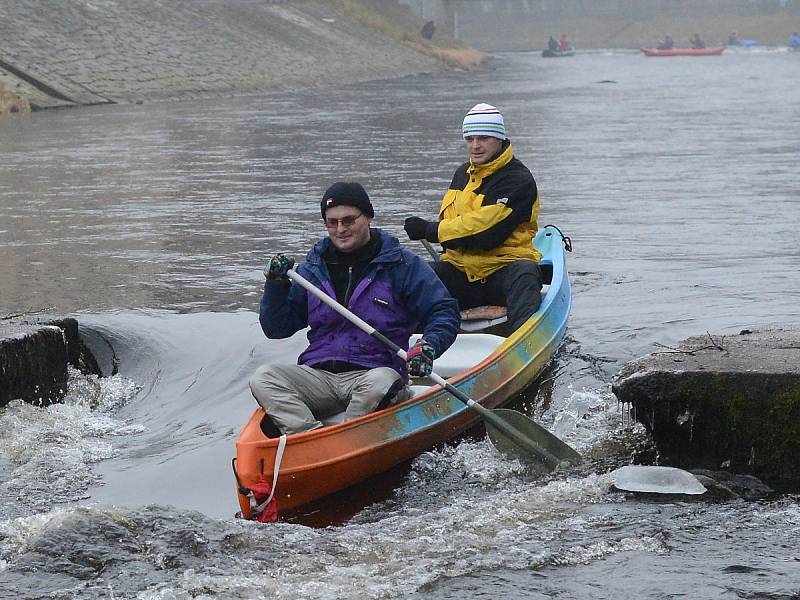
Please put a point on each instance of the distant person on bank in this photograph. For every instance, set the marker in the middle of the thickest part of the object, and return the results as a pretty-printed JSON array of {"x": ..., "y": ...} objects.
[
  {"x": 344, "y": 369},
  {"x": 428, "y": 30},
  {"x": 486, "y": 224}
]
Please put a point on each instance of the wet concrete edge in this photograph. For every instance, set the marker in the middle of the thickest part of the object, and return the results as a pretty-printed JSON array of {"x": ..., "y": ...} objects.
[
  {"x": 34, "y": 354},
  {"x": 722, "y": 402}
]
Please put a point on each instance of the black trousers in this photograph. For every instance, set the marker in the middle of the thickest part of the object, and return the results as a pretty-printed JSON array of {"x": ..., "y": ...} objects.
[{"x": 517, "y": 286}]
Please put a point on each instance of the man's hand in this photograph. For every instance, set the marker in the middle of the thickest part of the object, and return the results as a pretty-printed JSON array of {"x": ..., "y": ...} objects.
[
  {"x": 418, "y": 229},
  {"x": 420, "y": 359},
  {"x": 277, "y": 267}
]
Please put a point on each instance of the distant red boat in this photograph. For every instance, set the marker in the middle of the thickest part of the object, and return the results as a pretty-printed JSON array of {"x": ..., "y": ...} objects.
[{"x": 715, "y": 51}]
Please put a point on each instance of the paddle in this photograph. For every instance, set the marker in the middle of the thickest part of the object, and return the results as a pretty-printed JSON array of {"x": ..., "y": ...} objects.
[
  {"x": 431, "y": 250},
  {"x": 511, "y": 432}
]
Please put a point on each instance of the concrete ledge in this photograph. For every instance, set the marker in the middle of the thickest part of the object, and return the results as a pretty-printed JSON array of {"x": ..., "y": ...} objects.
[
  {"x": 717, "y": 402},
  {"x": 34, "y": 355}
]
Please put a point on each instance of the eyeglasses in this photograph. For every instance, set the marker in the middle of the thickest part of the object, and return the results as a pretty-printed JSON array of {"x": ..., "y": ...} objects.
[{"x": 345, "y": 222}]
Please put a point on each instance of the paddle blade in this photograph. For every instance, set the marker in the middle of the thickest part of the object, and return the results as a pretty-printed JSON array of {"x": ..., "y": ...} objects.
[
  {"x": 656, "y": 480},
  {"x": 518, "y": 436}
]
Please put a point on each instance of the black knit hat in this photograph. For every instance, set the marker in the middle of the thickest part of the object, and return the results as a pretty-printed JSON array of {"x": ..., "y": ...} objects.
[{"x": 347, "y": 193}]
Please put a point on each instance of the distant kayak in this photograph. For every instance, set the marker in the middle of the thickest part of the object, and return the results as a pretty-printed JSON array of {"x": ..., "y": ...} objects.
[
  {"x": 557, "y": 53},
  {"x": 715, "y": 51}
]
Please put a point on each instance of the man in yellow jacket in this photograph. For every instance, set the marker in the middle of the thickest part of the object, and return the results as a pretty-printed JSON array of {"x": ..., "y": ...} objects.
[{"x": 487, "y": 222}]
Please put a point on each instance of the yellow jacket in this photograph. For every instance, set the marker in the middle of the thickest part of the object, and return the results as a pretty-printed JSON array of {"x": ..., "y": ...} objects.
[{"x": 488, "y": 216}]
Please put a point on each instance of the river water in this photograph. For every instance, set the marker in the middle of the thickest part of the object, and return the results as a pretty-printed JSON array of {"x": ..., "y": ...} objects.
[{"x": 676, "y": 180}]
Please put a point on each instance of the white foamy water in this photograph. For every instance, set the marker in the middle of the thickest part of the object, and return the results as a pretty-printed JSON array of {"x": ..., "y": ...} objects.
[{"x": 50, "y": 450}]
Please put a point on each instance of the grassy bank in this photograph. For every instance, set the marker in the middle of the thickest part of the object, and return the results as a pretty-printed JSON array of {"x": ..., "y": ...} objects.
[
  {"x": 397, "y": 22},
  {"x": 11, "y": 103}
]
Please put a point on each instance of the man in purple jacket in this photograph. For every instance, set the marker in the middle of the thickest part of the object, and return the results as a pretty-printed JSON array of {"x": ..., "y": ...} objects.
[{"x": 344, "y": 369}]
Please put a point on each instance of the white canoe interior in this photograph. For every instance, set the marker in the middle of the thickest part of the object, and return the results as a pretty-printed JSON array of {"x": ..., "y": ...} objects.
[{"x": 468, "y": 350}]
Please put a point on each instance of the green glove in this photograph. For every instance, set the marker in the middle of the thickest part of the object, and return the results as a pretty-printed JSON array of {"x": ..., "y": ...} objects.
[{"x": 277, "y": 267}]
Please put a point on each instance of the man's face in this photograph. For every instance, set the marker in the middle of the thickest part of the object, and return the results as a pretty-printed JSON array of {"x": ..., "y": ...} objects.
[
  {"x": 347, "y": 227},
  {"x": 481, "y": 148}
]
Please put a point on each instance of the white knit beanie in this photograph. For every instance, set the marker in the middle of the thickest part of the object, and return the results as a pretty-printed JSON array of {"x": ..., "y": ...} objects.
[{"x": 484, "y": 119}]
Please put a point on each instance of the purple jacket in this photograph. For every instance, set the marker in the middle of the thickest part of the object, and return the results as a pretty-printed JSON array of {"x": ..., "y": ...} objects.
[{"x": 399, "y": 294}]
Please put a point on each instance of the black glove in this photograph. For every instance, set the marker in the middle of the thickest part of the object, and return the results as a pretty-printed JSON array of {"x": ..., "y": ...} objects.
[
  {"x": 277, "y": 267},
  {"x": 418, "y": 229}
]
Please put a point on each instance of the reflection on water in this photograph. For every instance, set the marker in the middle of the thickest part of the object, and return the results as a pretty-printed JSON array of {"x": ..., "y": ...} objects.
[{"x": 675, "y": 180}]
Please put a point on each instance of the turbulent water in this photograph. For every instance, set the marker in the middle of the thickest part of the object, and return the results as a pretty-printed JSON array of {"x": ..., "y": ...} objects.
[{"x": 675, "y": 179}]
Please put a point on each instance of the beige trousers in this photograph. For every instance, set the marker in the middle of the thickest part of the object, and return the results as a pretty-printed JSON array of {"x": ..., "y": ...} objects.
[{"x": 297, "y": 398}]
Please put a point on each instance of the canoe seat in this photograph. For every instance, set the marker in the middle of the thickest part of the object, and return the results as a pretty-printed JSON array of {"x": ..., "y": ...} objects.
[
  {"x": 482, "y": 313},
  {"x": 482, "y": 317},
  {"x": 486, "y": 318}
]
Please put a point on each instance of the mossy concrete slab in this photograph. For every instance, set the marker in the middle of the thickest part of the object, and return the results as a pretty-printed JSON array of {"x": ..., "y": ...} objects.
[
  {"x": 34, "y": 355},
  {"x": 722, "y": 402}
]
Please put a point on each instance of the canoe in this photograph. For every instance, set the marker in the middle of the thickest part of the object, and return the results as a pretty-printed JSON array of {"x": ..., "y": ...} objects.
[
  {"x": 489, "y": 368},
  {"x": 557, "y": 53},
  {"x": 715, "y": 51}
]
